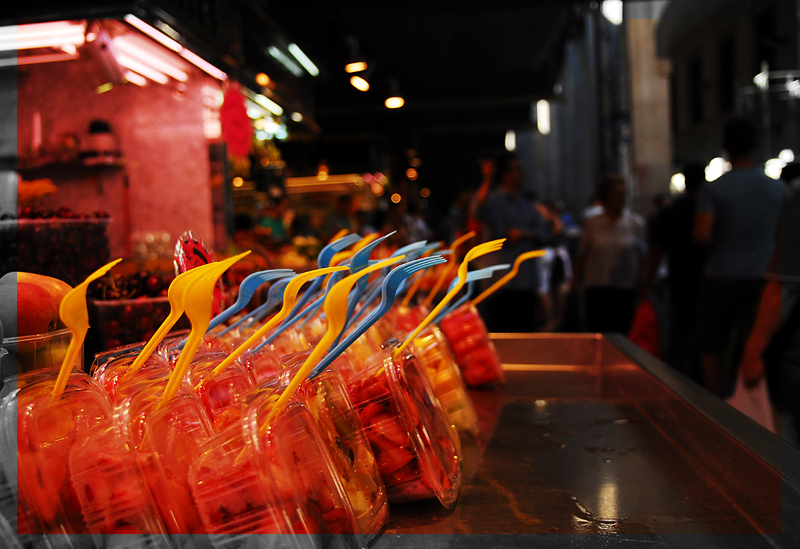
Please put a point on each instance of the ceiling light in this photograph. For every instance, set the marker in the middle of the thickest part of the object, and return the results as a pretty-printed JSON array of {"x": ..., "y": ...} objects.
[
  {"x": 42, "y": 35},
  {"x": 140, "y": 67},
  {"x": 511, "y": 140},
  {"x": 262, "y": 79},
  {"x": 359, "y": 83},
  {"x": 34, "y": 59},
  {"x": 169, "y": 42},
  {"x": 612, "y": 10},
  {"x": 543, "y": 116},
  {"x": 297, "y": 117},
  {"x": 153, "y": 33},
  {"x": 150, "y": 55},
  {"x": 395, "y": 100},
  {"x": 284, "y": 60},
  {"x": 355, "y": 66},
  {"x": 134, "y": 78},
  {"x": 268, "y": 104},
  {"x": 677, "y": 183},
  {"x": 300, "y": 55}
]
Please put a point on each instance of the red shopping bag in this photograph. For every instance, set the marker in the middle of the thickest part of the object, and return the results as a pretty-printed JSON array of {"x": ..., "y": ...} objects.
[{"x": 644, "y": 328}]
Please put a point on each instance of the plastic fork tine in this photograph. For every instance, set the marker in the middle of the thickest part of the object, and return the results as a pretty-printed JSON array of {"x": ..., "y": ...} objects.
[
  {"x": 472, "y": 278},
  {"x": 246, "y": 290},
  {"x": 323, "y": 261},
  {"x": 289, "y": 299},
  {"x": 411, "y": 253},
  {"x": 274, "y": 298},
  {"x": 508, "y": 276},
  {"x": 389, "y": 288},
  {"x": 360, "y": 261}
]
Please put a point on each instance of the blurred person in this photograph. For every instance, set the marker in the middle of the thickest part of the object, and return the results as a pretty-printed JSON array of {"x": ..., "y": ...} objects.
[
  {"x": 773, "y": 346},
  {"x": 610, "y": 260},
  {"x": 556, "y": 267},
  {"x": 737, "y": 216},
  {"x": 273, "y": 223},
  {"x": 672, "y": 239},
  {"x": 505, "y": 213}
]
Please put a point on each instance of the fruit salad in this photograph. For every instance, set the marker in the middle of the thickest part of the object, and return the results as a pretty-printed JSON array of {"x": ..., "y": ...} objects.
[
  {"x": 433, "y": 352},
  {"x": 475, "y": 352},
  {"x": 326, "y": 398},
  {"x": 416, "y": 449}
]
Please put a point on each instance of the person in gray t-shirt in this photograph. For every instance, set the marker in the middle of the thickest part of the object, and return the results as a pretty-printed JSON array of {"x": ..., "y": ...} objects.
[{"x": 737, "y": 217}]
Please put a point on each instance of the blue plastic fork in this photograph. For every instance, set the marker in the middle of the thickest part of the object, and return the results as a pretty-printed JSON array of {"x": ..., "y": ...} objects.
[
  {"x": 274, "y": 298},
  {"x": 246, "y": 290},
  {"x": 472, "y": 278},
  {"x": 388, "y": 293},
  {"x": 359, "y": 261},
  {"x": 323, "y": 261},
  {"x": 305, "y": 313},
  {"x": 374, "y": 287}
]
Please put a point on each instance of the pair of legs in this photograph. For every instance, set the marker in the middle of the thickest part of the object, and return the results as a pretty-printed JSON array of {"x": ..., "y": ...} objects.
[{"x": 726, "y": 311}]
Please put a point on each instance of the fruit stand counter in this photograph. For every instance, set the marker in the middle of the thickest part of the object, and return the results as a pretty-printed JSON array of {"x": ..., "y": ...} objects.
[{"x": 591, "y": 435}]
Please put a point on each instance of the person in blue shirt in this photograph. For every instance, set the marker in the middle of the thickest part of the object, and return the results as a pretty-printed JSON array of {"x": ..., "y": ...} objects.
[
  {"x": 737, "y": 217},
  {"x": 506, "y": 213}
]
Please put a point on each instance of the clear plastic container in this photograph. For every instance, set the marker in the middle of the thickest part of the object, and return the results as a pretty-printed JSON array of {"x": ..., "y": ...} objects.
[
  {"x": 326, "y": 398},
  {"x": 263, "y": 365},
  {"x": 111, "y": 491},
  {"x": 474, "y": 350},
  {"x": 223, "y": 394},
  {"x": 433, "y": 351},
  {"x": 165, "y": 438},
  {"x": 110, "y": 369},
  {"x": 416, "y": 448},
  {"x": 295, "y": 453},
  {"x": 47, "y": 429},
  {"x": 36, "y": 352},
  {"x": 239, "y": 501}
]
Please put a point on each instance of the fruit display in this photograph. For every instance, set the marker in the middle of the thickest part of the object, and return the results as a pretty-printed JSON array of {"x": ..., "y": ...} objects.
[
  {"x": 416, "y": 450},
  {"x": 326, "y": 398},
  {"x": 129, "y": 308},
  {"x": 474, "y": 351},
  {"x": 222, "y": 394},
  {"x": 433, "y": 352},
  {"x": 36, "y": 241},
  {"x": 33, "y": 335}
]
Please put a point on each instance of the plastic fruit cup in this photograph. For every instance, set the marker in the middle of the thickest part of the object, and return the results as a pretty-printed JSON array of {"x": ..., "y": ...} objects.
[
  {"x": 222, "y": 394},
  {"x": 416, "y": 448},
  {"x": 165, "y": 438},
  {"x": 326, "y": 398},
  {"x": 35, "y": 352},
  {"x": 295, "y": 452},
  {"x": 239, "y": 500},
  {"x": 474, "y": 351},
  {"x": 290, "y": 341},
  {"x": 262, "y": 365},
  {"x": 113, "y": 496},
  {"x": 47, "y": 430},
  {"x": 433, "y": 351},
  {"x": 110, "y": 370}
]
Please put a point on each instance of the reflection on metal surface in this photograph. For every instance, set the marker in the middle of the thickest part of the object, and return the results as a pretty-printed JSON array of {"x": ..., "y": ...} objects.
[{"x": 582, "y": 439}]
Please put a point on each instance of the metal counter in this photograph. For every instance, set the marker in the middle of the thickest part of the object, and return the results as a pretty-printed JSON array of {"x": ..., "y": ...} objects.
[{"x": 592, "y": 435}]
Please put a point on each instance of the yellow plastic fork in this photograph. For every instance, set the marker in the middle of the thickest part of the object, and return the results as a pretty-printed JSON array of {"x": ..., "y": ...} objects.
[
  {"x": 198, "y": 304},
  {"x": 451, "y": 264},
  {"x": 336, "y": 313},
  {"x": 75, "y": 316},
  {"x": 289, "y": 300},
  {"x": 477, "y": 251},
  {"x": 508, "y": 276},
  {"x": 175, "y": 295}
]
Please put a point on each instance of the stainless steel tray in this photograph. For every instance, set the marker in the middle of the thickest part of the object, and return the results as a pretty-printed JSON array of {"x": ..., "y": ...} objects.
[{"x": 591, "y": 435}]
